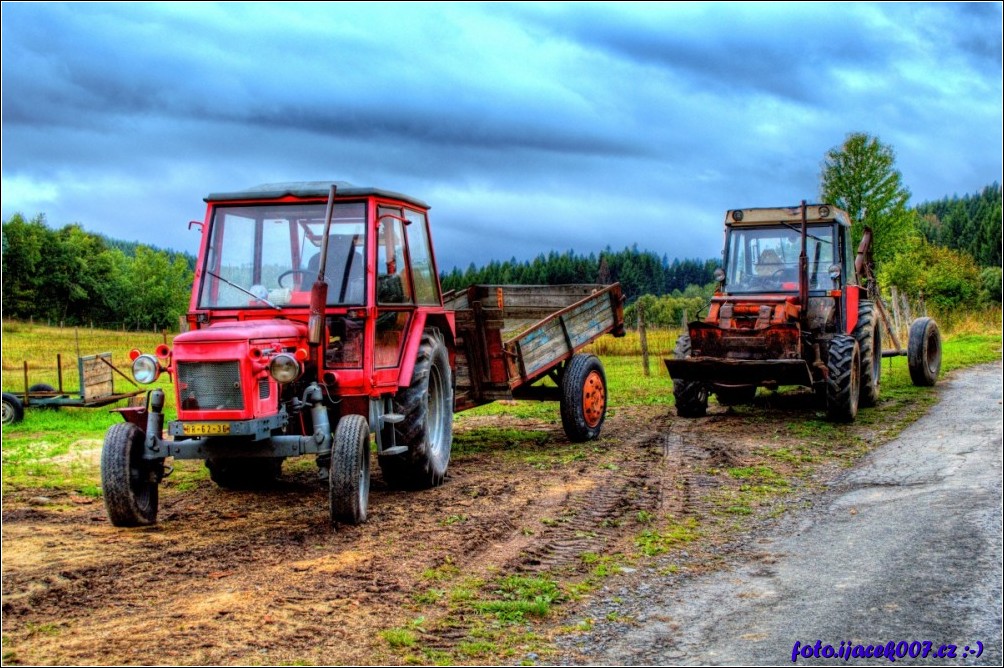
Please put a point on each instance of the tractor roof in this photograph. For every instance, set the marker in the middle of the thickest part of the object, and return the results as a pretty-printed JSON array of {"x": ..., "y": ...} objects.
[
  {"x": 310, "y": 189},
  {"x": 792, "y": 215}
]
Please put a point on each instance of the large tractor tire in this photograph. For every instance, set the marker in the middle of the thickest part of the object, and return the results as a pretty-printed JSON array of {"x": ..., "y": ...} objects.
[
  {"x": 244, "y": 472},
  {"x": 923, "y": 353},
  {"x": 427, "y": 427},
  {"x": 843, "y": 387},
  {"x": 735, "y": 395},
  {"x": 130, "y": 484},
  {"x": 868, "y": 334},
  {"x": 583, "y": 398},
  {"x": 691, "y": 395},
  {"x": 13, "y": 409},
  {"x": 349, "y": 472}
]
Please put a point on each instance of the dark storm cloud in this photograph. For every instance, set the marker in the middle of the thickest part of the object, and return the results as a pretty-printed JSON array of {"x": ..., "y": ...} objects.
[{"x": 528, "y": 127}]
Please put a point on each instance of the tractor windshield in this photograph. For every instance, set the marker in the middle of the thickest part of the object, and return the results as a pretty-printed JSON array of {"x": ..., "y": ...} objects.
[
  {"x": 268, "y": 256},
  {"x": 765, "y": 259}
]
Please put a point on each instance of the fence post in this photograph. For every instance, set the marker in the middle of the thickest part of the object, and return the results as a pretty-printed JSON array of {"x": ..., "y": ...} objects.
[
  {"x": 643, "y": 338},
  {"x": 907, "y": 315},
  {"x": 895, "y": 310}
]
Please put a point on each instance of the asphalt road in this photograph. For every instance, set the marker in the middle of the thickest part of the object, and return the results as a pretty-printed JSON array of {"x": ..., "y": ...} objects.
[{"x": 904, "y": 547}]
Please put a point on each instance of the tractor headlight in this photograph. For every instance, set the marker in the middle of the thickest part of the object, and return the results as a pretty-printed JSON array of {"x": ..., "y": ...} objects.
[
  {"x": 719, "y": 275},
  {"x": 834, "y": 271},
  {"x": 145, "y": 369},
  {"x": 284, "y": 368}
]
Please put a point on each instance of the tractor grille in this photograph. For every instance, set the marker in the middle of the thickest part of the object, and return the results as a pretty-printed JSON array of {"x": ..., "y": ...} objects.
[
  {"x": 263, "y": 388},
  {"x": 210, "y": 386}
]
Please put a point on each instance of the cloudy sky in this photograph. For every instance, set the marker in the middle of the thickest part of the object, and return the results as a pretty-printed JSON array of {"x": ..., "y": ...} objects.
[{"x": 528, "y": 127}]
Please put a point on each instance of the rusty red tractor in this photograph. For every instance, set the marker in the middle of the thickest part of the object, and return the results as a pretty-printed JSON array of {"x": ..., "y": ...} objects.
[
  {"x": 795, "y": 306},
  {"x": 317, "y": 323}
]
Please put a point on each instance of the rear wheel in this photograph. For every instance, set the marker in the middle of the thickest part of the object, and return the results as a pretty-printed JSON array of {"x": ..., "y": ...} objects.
[
  {"x": 427, "y": 427},
  {"x": 349, "y": 472},
  {"x": 583, "y": 398},
  {"x": 129, "y": 482},
  {"x": 869, "y": 337},
  {"x": 691, "y": 395},
  {"x": 244, "y": 472},
  {"x": 13, "y": 409},
  {"x": 734, "y": 395},
  {"x": 923, "y": 353},
  {"x": 843, "y": 387},
  {"x": 44, "y": 387}
]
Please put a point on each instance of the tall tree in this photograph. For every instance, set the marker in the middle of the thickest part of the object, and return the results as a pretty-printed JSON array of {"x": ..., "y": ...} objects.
[{"x": 860, "y": 176}]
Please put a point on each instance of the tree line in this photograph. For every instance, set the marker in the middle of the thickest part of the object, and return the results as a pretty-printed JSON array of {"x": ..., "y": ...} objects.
[
  {"x": 639, "y": 272},
  {"x": 971, "y": 223},
  {"x": 78, "y": 278}
]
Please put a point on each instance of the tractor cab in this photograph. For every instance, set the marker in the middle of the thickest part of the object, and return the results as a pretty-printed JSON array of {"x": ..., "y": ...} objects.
[{"x": 762, "y": 248}]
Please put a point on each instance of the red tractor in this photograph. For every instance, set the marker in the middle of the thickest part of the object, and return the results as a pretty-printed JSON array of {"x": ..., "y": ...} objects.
[
  {"x": 794, "y": 306},
  {"x": 317, "y": 320}
]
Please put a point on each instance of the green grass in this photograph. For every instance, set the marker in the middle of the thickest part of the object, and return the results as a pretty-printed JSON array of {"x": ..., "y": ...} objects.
[{"x": 670, "y": 535}]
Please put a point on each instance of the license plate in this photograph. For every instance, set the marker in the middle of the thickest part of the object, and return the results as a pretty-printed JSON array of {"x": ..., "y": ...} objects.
[{"x": 205, "y": 428}]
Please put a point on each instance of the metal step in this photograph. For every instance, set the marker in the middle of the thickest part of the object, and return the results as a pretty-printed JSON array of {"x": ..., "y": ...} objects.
[
  {"x": 392, "y": 418},
  {"x": 396, "y": 450}
]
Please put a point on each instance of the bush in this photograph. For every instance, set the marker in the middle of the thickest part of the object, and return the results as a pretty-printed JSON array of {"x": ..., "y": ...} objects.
[{"x": 946, "y": 279}]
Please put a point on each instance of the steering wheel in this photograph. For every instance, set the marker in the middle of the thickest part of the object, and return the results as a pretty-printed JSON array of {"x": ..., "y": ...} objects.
[
  {"x": 289, "y": 273},
  {"x": 777, "y": 278}
]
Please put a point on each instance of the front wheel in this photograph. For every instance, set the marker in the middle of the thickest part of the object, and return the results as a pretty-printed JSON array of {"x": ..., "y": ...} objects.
[
  {"x": 583, "y": 398},
  {"x": 843, "y": 387},
  {"x": 427, "y": 428},
  {"x": 691, "y": 396},
  {"x": 129, "y": 482},
  {"x": 349, "y": 472},
  {"x": 244, "y": 472},
  {"x": 735, "y": 395},
  {"x": 923, "y": 353}
]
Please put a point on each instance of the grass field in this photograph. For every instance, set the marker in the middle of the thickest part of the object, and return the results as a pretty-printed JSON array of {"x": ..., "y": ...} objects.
[{"x": 36, "y": 452}]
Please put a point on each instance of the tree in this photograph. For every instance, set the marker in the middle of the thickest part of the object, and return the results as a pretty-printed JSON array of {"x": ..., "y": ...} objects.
[{"x": 860, "y": 177}]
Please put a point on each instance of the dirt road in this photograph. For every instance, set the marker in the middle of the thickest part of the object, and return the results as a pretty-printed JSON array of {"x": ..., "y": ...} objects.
[
  {"x": 905, "y": 547},
  {"x": 512, "y": 553}
]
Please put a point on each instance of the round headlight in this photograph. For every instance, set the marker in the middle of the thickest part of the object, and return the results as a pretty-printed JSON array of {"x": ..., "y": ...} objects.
[
  {"x": 145, "y": 369},
  {"x": 737, "y": 215},
  {"x": 284, "y": 368},
  {"x": 719, "y": 274},
  {"x": 834, "y": 271}
]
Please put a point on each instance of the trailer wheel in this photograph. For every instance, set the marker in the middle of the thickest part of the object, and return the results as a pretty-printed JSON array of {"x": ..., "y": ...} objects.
[
  {"x": 130, "y": 483},
  {"x": 735, "y": 395},
  {"x": 244, "y": 472},
  {"x": 869, "y": 338},
  {"x": 427, "y": 428},
  {"x": 843, "y": 387},
  {"x": 691, "y": 395},
  {"x": 583, "y": 398},
  {"x": 349, "y": 472},
  {"x": 923, "y": 353},
  {"x": 13, "y": 409}
]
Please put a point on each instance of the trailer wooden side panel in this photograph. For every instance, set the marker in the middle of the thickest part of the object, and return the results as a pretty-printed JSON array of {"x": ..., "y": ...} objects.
[{"x": 508, "y": 337}]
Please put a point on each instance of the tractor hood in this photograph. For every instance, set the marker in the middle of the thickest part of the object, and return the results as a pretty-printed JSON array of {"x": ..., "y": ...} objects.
[{"x": 244, "y": 330}]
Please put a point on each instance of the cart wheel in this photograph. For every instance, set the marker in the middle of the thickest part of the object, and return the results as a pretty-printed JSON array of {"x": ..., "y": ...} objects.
[
  {"x": 129, "y": 482},
  {"x": 924, "y": 352},
  {"x": 349, "y": 472},
  {"x": 13, "y": 410},
  {"x": 583, "y": 398},
  {"x": 44, "y": 387}
]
